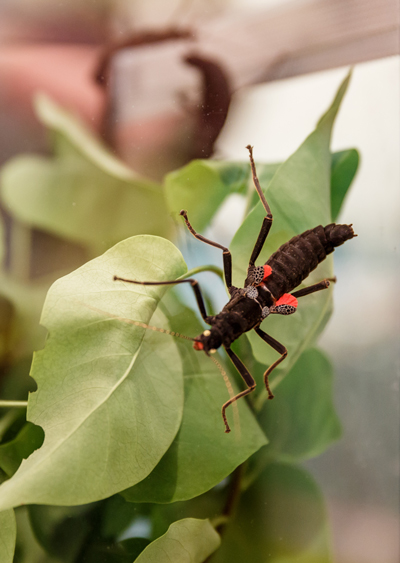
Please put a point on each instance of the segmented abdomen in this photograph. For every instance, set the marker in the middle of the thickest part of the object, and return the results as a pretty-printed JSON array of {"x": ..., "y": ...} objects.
[{"x": 294, "y": 260}]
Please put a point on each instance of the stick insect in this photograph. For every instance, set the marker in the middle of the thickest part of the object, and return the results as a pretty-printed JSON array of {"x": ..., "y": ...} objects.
[{"x": 268, "y": 289}]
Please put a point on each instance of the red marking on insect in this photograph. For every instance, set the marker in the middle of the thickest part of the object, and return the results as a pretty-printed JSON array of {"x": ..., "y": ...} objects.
[
  {"x": 198, "y": 345},
  {"x": 267, "y": 271},
  {"x": 287, "y": 299}
]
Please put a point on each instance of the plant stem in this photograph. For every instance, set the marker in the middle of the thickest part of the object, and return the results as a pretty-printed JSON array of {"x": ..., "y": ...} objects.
[{"x": 14, "y": 404}]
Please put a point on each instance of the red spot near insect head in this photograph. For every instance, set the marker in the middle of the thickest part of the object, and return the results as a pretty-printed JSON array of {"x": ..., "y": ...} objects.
[
  {"x": 267, "y": 271},
  {"x": 287, "y": 299},
  {"x": 198, "y": 345}
]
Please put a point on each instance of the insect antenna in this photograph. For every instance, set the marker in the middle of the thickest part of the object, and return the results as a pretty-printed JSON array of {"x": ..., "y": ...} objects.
[
  {"x": 137, "y": 323},
  {"x": 141, "y": 324}
]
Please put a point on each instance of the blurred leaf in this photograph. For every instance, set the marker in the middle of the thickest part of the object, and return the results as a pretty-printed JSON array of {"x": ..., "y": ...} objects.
[
  {"x": 135, "y": 546},
  {"x": 60, "y": 530},
  {"x": 186, "y": 540},
  {"x": 110, "y": 395},
  {"x": 28, "y": 550},
  {"x": 118, "y": 515},
  {"x": 2, "y": 240},
  {"x": 84, "y": 193},
  {"x": 29, "y": 439},
  {"x": 344, "y": 168},
  {"x": 203, "y": 185},
  {"x": 201, "y": 454},
  {"x": 8, "y": 533},
  {"x": 301, "y": 422},
  {"x": 299, "y": 196},
  {"x": 281, "y": 515},
  {"x": 6, "y": 317},
  {"x": 27, "y": 301}
]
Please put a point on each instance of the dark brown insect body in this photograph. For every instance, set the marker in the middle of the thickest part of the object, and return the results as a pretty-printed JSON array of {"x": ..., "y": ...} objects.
[{"x": 266, "y": 290}]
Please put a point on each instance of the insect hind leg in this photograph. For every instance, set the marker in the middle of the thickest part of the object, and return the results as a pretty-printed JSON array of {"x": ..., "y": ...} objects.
[
  {"x": 248, "y": 379},
  {"x": 279, "y": 348}
]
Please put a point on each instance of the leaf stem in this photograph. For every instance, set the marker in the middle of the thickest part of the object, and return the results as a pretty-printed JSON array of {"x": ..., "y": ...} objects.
[
  {"x": 207, "y": 268},
  {"x": 14, "y": 404}
]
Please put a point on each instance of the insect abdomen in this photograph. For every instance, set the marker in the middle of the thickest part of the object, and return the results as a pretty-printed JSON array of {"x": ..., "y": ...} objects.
[{"x": 294, "y": 260}]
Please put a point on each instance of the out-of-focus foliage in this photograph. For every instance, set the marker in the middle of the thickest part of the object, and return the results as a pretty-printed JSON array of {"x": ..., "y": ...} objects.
[
  {"x": 8, "y": 533},
  {"x": 84, "y": 193}
]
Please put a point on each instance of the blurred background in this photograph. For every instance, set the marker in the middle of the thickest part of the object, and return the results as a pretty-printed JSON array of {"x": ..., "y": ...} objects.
[{"x": 277, "y": 64}]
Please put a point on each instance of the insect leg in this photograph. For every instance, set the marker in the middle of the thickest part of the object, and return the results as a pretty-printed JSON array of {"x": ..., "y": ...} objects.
[
  {"x": 324, "y": 284},
  {"x": 193, "y": 283},
  {"x": 248, "y": 379},
  {"x": 267, "y": 222},
  {"x": 279, "y": 348},
  {"x": 226, "y": 255}
]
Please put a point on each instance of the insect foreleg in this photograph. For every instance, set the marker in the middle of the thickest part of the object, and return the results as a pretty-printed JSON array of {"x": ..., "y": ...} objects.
[
  {"x": 193, "y": 283},
  {"x": 248, "y": 379},
  {"x": 279, "y": 348},
  {"x": 324, "y": 284},
  {"x": 267, "y": 222},
  {"x": 226, "y": 255}
]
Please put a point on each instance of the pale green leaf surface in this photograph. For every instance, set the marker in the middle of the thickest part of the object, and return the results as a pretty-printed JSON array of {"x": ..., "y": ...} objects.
[
  {"x": 8, "y": 534},
  {"x": 201, "y": 454},
  {"x": 110, "y": 395},
  {"x": 300, "y": 199},
  {"x": 84, "y": 193},
  {"x": 186, "y": 541},
  {"x": 301, "y": 422}
]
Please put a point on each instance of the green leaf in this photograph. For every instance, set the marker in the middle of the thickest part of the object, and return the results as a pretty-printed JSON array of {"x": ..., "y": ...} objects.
[
  {"x": 299, "y": 196},
  {"x": 281, "y": 515},
  {"x": 186, "y": 541},
  {"x": 62, "y": 531},
  {"x": 344, "y": 168},
  {"x": 203, "y": 185},
  {"x": 301, "y": 422},
  {"x": 110, "y": 394},
  {"x": 29, "y": 439},
  {"x": 201, "y": 454},
  {"x": 134, "y": 546},
  {"x": 8, "y": 534},
  {"x": 84, "y": 193}
]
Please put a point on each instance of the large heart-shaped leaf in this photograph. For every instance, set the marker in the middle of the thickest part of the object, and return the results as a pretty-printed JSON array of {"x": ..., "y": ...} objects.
[
  {"x": 84, "y": 193},
  {"x": 186, "y": 541},
  {"x": 300, "y": 199},
  {"x": 110, "y": 395},
  {"x": 201, "y": 454},
  {"x": 8, "y": 533}
]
